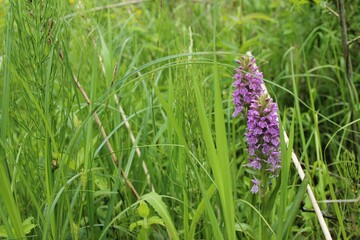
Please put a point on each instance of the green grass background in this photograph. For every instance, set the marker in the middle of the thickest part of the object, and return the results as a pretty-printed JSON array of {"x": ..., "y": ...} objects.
[{"x": 168, "y": 66}]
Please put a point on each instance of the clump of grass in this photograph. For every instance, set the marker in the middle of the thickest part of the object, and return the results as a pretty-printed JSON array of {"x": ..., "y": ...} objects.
[{"x": 160, "y": 82}]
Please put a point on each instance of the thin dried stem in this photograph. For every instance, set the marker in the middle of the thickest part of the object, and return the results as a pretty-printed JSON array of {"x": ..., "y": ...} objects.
[
  {"x": 356, "y": 200},
  {"x": 127, "y": 124},
  {"x": 311, "y": 195},
  {"x": 108, "y": 144},
  {"x": 353, "y": 40},
  {"x": 132, "y": 137},
  {"x": 332, "y": 11}
]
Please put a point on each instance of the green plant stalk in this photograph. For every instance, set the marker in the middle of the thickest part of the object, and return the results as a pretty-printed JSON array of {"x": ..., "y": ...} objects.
[
  {"x": 200, "y": 209},
  {"x": 89, "y": 149},
  {"x": 297, "y": 105},
  {"x": 223, "y": 154},
  {"x": 286, "y": 152},
  {"x": 205, "y": 202},
  {"x": 6, "y": 195},
  {"x": 174, "y": 125},
  {"x": 143, "y": 234},
  {"x": 261, "y": 217},
  {"x": 344, "y": 40},
  {"x": 218, "y": 168},
  {"x": 339, "y": 215},
  {"x": 263, "y": 194},
  {"x": 320, "y": 157},
  {"x": 10, "y": 206},
  {"x": 112, "y": 202},
  {"x": 9, "y": 230},
  {"x": 221, "y": 170},
  {"x": 294, "y": 209},
  {"x": 49, "y": 177},
  {"x": 181, "y": 173}
]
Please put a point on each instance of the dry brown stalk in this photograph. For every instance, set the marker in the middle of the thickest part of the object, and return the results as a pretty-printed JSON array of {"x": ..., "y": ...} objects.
[
  {"x": 127, "y": 125},
  {"x": 108, "y": 144}
]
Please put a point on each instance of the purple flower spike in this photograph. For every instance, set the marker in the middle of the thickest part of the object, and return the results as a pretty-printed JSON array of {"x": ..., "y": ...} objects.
[
  {"x": 263, "y": 139},
  {"x": 262, "y": 135}
]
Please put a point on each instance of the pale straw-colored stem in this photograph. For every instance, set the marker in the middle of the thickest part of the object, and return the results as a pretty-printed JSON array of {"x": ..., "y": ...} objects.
[
  {"x": 96, "y": 116},
  {"x": 137, "y": 149},
  {"x": 127, "y": 125},
  {"x": 356, "y": 200},
  {"x": 311, "y": 195},
  {"x": 108, "y": 144}
]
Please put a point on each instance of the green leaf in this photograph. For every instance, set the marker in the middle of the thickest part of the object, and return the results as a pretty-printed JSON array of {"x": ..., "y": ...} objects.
[
  {"x": 200, "y": 210},
  {"x": 294, "y": 208},
  {"x": 27, "y": 226},
  {"x": 139, "y": 223},
  {"x": 157, "y": 203},
  {"x": 156, "y": 220}
]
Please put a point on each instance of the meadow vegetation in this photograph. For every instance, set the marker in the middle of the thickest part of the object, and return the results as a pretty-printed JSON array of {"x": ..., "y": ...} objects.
[{"x": 116, "y": 119}]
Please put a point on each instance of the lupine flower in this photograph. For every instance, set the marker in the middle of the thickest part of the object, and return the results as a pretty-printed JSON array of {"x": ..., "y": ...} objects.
[
  {"x": 248, "y": 80},
  {"x": 263, "y": 133}
]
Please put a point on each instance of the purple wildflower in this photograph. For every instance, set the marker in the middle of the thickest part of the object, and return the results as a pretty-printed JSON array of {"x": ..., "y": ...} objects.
[
  {"x": 248, "y": 80},
  {"x": 263, "y": 135}
]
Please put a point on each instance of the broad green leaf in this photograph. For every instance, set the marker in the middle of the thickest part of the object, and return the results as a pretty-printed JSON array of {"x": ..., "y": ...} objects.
[
  {"x": 27, "y": 226},
  {"x": 156, "y": 220},
  {"x": 139, "y": 223},
  {"x": 157, "y": 203}
]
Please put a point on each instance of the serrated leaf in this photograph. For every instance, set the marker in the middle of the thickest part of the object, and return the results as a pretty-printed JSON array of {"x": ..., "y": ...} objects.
[
  {"x": 156, "y": 220},
  {"x": 139, "y": 223},
  {"x": 27, "y": 225}
]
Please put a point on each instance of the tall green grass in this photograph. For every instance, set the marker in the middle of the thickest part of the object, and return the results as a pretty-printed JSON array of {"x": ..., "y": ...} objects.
[{"x": 166, "y": 67}]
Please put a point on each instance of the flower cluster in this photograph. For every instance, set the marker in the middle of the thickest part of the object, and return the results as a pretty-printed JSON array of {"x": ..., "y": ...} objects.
[
  {"x": 248, "y": 80},
  {"x": 262, "y": 135}
]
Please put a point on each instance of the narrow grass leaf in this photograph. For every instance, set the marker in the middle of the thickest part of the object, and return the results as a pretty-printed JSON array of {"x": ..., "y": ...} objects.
[
  {"x": 223, "y": 158},
  {"x": 260, "y": 215},
  {"x": 6, "y": 196},
  {"x": 200, "y": 210},
  {"x": 294, "y": 208},
  {"x": 286, "y": 152}
]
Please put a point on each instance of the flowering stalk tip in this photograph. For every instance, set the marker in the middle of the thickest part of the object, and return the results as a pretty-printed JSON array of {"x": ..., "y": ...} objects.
[{"x": 248, "y": 80}]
